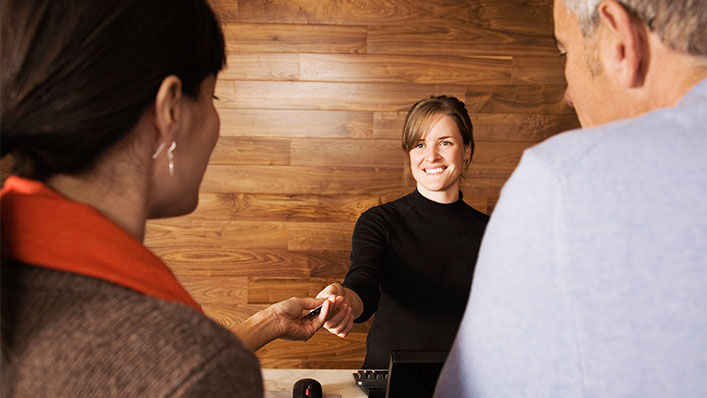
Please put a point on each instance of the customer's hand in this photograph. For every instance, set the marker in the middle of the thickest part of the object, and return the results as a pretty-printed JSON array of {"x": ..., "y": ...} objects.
[
  {"x": 284, "y": 320},
  {"x": 289, "y": 316}
]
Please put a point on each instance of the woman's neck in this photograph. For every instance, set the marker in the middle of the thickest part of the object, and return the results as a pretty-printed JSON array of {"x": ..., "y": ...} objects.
[
  {"x": 446, "y": 196},
  {"x": 119, "y": 197}
]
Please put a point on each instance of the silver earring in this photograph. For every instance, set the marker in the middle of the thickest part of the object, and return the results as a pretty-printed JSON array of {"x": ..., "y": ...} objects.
[
  {"x": 158, "y": 151},
  {"x": 170, "y": 156}
]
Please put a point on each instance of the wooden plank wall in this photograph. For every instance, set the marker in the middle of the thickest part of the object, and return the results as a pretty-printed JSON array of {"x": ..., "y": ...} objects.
[{"x": 311, "y": 107}]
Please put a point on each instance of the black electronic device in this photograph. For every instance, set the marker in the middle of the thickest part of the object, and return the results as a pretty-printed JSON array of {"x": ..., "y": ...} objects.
[
  {"x": 410, "y": 374},
  {"x": 307, "y": 388},
  {"x": 414, "y": 374},
  {"x": 373, "y": 382}
]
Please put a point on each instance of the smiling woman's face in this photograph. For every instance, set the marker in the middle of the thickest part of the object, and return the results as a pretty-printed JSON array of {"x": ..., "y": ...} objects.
[{"x": 437, "y": 159}]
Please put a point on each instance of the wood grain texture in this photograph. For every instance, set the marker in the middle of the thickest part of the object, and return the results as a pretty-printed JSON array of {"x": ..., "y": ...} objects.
[
  {"x": 396, "y": 96},
  {"x": 194, "y": 260},
  {"x": 315, "y": 180},
  {"x": 344, "y": 152},
  {"x": 254, "y": 235},
  {"x": 216, "y": 289},
  {"x": 251, "y": 151},
  {"x": 295, "y": 123},
  {"x": 280, "y": 207},
  {"x": 538, "y": 70},
  {"x": 334, "y": 96},
  {"x": 261, "y": 66},
  {"x": 323, "y": 350},
  {"x": 405, "y": 69},
  {"x": 462, "y": 40},
  {"x": 500, "y": 14},
  {"x": 517, "y": 99},
  {"x": 288, "y": 38},
  {"x": 320, "y": 235}
]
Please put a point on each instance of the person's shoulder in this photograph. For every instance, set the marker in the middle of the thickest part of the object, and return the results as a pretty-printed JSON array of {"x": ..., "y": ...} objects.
[
  {"x": 389, "y": 209},
  {"x": 122, "y": 342},
  {"x": 476, "y": 215},
  {"x": 649, "y": 134}
]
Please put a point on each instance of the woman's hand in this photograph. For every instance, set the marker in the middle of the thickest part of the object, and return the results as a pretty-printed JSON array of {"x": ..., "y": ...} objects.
[
  {"x": 290, "y": 316},
  {"x": 284, "y": 320},
  {"x": 340, "y": 319}
]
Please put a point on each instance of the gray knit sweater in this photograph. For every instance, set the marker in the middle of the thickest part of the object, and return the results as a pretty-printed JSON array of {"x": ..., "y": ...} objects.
[{"x": 66, "y": 335}]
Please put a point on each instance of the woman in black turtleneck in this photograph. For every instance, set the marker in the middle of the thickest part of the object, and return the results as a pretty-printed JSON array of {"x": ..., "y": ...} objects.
[{"x": 412, "y": 259}]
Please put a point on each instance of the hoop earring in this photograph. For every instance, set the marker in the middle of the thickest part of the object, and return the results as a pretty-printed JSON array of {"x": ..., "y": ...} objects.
[{"x": 170, "y": 156}]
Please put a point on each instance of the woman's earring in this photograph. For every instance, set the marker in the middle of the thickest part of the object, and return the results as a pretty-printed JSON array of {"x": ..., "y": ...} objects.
[
  {"x": 170, "y": 156},
  {"x": 158, "y": 151}
]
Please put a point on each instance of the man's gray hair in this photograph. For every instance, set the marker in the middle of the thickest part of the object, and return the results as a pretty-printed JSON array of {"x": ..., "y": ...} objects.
[{"x": 681, "y": 24}]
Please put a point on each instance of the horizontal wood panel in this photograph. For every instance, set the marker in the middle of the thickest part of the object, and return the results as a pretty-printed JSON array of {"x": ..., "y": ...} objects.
[
  {"x": 396, "y": 97},
  {"x": 255, "y": 235},
  {"x": 295, "y": 123},
  {"x": 228, "y": 314},
  {"x": 288, "y": 38},
  {"x": 503, "y": 155},
  {"x": 412, "y": 69},
  {"x": 320, "y": 235},
  {"x": 194, "y": 260},
  {"x": 500, "y": 14},
  {"x": 167, "y": 232},
  {"x": 521, "y": 127},
  {"x": 323, "y": 350},
  {"x": 539, "y": 70},
  {"x": 223, "y": 93},
  {"x": 461, "y": 40},
  {"x": 517, "y": 99},
  {"x": 273, "y": 290},
  {"x": 280, "y": 207},
  {"x": 301, "y": 180},
  {"x": 341, "y": 152},
  {"x": 334, "y": 96},
  {"x": 490, "y": 126},
  {"x": 261, "y": 66},
  {"x": 251, "y": 151},
  {"x": 216, "y": 289}
]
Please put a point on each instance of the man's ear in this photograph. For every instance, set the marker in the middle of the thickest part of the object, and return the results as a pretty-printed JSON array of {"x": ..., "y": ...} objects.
[
  {"x": 624, "y": 44},
  {"x": 168, "y": 112}
]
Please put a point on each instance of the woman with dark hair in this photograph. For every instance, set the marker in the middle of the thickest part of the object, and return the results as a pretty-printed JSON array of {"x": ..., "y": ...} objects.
[
  {"x": 412, "y": 259},
  {"x": 107, "y": 112}
]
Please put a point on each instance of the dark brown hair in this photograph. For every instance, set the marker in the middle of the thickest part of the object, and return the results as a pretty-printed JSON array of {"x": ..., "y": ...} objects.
[{"x": 77, "y": 75}]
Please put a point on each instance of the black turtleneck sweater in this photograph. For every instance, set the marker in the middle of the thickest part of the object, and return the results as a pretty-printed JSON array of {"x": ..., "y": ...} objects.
[{"x": 412, "y": 262}]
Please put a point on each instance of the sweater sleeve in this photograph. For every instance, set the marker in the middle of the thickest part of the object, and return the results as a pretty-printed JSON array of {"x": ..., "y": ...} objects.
[
  {"x": 367, "y": 260},
  {"x": 516, "y": 337}
]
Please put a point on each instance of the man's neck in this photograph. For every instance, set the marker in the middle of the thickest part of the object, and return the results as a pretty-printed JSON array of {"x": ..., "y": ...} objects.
[{"x": 672, "y": 75}]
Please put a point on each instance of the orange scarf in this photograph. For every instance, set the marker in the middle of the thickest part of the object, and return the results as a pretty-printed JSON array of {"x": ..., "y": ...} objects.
[{"x": 42, "y": 228}]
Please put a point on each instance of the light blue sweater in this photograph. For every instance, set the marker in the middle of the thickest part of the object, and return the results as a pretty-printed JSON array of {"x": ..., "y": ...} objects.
[{"x": 592, "y": 275}]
